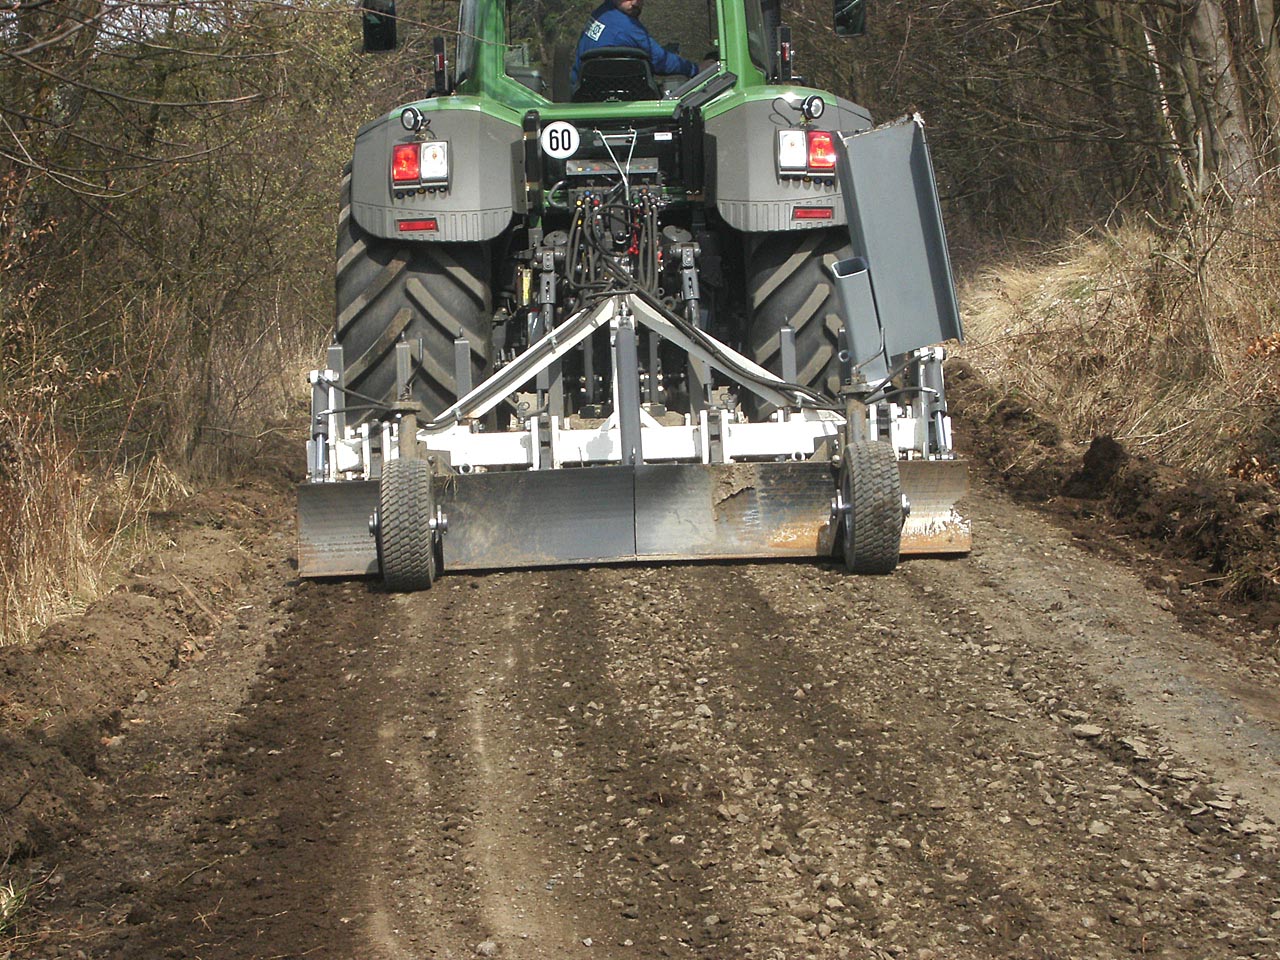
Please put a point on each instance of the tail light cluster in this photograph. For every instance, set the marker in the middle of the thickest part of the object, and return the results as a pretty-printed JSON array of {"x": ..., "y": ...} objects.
[
  {"x": 806, "y": 153},
  {"x": 422, "y": 166}
]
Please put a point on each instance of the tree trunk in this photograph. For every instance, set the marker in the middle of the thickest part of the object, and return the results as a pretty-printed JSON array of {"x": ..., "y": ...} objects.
[
  {"x": 1269, "y": 53},
  {"x": 1229, "y": 145},
  {"x": 1173, "y": 153}
]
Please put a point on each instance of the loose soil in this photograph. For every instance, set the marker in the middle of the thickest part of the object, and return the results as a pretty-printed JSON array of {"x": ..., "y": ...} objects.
[{"x": 1056, "y": 747}]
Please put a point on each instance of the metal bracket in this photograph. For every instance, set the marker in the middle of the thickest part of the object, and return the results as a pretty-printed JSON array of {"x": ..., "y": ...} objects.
[
  {"x": 689, "y": 289},
  {"x": 550, "y": 349},
  {"x": 626, "y": 387},
  {"x": 787, "y": 346}
]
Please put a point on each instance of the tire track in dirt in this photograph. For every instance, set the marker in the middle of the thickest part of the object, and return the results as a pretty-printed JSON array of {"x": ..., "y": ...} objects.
[
  {"x": 522, "y": 767},
  {"x": 913, "y": 799},
  {"x": 1043, "y": 800},
  {"x": 508, "y": 843},
  {"x": 414, "y": 895},
  {"x": 772, "y": 761},
  {"x": 833, "y": 797},
  {"x": 636, "y": 823}
]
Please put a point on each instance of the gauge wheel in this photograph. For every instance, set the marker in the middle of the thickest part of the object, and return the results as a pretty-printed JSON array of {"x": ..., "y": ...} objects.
[
  {"x": 406, "y": 536},
  {"x": 872, "y": 511}
]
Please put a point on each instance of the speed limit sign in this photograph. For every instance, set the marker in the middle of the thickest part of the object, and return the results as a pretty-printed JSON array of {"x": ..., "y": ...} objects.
[{"x": 559, "y": 139}]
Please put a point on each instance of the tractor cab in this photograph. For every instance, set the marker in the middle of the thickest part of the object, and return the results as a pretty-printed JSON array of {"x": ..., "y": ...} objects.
[
  {"x": 646, "y": 52},
  {"x": 586, "y": 52}
]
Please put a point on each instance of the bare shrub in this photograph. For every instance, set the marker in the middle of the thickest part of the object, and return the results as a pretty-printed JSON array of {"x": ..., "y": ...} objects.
[{"x": 157, "y": 314}]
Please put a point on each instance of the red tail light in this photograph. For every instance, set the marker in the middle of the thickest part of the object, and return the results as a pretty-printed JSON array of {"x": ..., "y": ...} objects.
[
  {"x": 413, "y": 226},
  {"x": 822, "y": 152},
  {"x": 405, "y": 164}
]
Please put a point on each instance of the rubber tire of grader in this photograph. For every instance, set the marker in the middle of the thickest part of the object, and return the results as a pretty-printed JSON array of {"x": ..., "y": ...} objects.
[
  {"x": 871, "y": 532},
  {"x": 406, "y": 542},
  {"x": 389, "y": 290},
  {"x": 788, "y": 283}
]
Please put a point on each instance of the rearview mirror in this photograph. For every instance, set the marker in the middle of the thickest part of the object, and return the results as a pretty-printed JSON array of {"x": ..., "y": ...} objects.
[
  {"x": 850, "y": 18},
  {"x": 379, "y": 20}
]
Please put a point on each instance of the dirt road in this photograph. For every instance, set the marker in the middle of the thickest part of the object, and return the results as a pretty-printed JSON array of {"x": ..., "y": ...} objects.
[{"x": 1018, "y": 754}]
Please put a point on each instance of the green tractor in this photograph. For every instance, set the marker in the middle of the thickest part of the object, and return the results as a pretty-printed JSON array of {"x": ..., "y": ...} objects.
[{"x": 590, "y": 313}]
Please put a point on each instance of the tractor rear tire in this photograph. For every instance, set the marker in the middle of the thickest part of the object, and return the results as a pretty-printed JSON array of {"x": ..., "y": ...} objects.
[
  {"x": 406, "y": 540},
  {"x": 390, "y": 290},
  {"x": 871, "y": 531},
  {"x": 788, "y": 283}
]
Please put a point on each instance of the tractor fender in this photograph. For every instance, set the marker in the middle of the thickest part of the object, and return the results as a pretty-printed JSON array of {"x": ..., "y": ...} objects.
[
  {"x": 481, "y": 195},
  {"x": 742, "y": 174}
]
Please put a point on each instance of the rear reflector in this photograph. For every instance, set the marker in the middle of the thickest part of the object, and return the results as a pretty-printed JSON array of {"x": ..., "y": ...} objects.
[
  {"x": 406, "y": 166},
  {"x": 812, "y": 213},
  {"x": 822, "y": 152},
  {"x": 410, "y": 226}
]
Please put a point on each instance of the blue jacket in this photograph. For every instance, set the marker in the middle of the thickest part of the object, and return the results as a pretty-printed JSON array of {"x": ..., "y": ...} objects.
[{"x": 610, "y": 27}]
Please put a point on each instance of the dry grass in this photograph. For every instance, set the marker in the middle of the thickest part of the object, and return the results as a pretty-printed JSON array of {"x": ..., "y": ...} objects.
[
  {"x": 1164, "y": 339},
  {"x": 86, "y": 459},
  {"x": 67, "y": 529}
]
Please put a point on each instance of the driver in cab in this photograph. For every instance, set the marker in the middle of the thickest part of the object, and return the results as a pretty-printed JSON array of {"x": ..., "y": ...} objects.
[{"x": 616, "y": 23}]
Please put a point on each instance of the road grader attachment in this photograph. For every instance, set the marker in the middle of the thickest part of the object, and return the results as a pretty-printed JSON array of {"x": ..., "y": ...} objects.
[{"x": 603, "y": 327}]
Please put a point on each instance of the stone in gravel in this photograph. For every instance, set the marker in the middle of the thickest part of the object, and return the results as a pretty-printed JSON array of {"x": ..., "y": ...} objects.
[
  {"x": 777, "y": 847},
  {"x": 711, "y": 920},
  {"x": 487, "y": 949},
  {"x": 1098, "y": 828},
  {"x": 730, "y": 811},
  {"x": 1087, "y": 731},
  {"x": 702, "y": 710},
  {"x": 804, "y": 911},
  {"x": 1141, "y": 749}
]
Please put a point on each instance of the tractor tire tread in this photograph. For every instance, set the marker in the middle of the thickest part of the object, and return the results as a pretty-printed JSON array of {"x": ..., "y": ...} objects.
[
  {"x": 389, "y": 290},
  {"x": 788, "y": 283}
]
